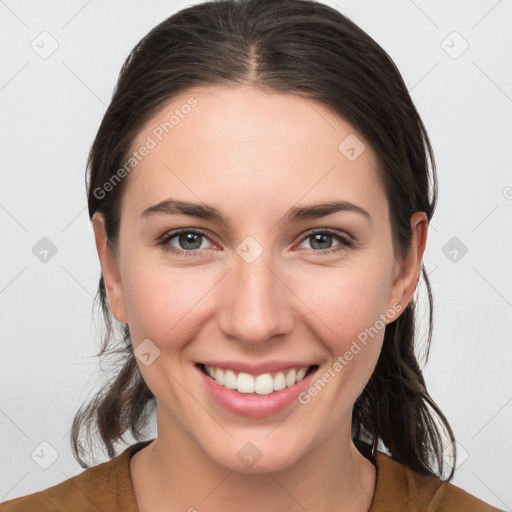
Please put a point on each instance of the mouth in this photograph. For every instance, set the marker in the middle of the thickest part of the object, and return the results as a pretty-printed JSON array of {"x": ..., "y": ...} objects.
[{"x": 269, "y": 383}]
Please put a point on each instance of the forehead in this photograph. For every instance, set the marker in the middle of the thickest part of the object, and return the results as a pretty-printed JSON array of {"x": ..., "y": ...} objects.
[{"x": 251, "y": 146}]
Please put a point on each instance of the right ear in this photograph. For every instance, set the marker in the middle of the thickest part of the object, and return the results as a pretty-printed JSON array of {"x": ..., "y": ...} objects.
[{"x": 110, "y": 269}]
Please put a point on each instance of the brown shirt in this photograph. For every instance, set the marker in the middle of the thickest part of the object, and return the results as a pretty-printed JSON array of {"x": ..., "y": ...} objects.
[{"x": 107, "y": 487}]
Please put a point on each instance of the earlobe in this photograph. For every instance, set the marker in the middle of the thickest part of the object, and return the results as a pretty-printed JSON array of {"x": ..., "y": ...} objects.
[
  {"x": 110, "y": 270},
  {"x": 409, "y": 269}
]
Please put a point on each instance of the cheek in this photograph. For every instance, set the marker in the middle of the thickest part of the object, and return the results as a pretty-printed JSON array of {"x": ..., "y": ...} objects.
[
  {"x": 164, "y": 303},
  {"x": 347, "y": 301},
  {"x": 350, "y": 310},
  {"x": 166, "y": 306},
  {"x": 354, "y": 342}
]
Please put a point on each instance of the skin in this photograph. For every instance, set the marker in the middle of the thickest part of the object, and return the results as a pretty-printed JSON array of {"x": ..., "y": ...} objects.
[{"x": 253, "y": 155}]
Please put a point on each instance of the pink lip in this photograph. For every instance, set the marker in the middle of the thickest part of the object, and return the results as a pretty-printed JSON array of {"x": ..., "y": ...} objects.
[
  {"x": 250, "y": 405},
  {"x": 257, "y": 369}
]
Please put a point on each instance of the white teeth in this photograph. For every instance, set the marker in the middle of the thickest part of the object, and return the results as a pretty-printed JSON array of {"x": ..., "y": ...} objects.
[
  {"x": 244, "y": 383},
  {"x": 279, "y": 381},
  {"x": 230, "y": 379},
  {"x": 261, "y": 384},
  {"x": 290, "y": 378},
  {"x": 264, "y": 384},
  {"x": 301, "y": 373}
]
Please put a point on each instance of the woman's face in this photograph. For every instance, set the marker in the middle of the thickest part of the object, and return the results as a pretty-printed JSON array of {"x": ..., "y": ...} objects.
[{"x": 262, "y": 285}]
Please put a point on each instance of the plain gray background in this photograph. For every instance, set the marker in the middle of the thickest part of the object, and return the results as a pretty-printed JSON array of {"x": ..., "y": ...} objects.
[{"x": 455, "y": 59}]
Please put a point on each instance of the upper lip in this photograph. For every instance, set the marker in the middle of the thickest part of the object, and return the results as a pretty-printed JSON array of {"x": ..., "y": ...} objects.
[{"x": 257, "y": 369}]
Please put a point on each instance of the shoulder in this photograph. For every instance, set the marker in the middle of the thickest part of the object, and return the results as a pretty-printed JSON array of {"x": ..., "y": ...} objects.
[
  {"x": 398, "y": 488},
  {"x": 106, "y": 487}
]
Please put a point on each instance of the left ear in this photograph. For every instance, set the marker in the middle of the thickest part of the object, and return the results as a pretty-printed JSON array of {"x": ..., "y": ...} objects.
[{"x": 408, "y": 270}]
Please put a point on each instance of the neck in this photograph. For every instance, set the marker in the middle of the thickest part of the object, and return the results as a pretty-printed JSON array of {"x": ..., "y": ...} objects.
[{"x": 333, "y": 476}]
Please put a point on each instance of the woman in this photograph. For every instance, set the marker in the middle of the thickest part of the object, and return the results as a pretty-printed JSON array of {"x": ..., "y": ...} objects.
[{"x": 260, "y": 190}]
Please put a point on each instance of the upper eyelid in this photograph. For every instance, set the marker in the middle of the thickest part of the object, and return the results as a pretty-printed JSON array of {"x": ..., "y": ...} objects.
[
  {"x": 330, "y": 231},
  {"x": 169, "y": 235}
]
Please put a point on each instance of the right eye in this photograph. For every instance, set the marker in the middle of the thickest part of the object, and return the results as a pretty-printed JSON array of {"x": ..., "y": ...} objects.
[{"x": 190, "y": 241}]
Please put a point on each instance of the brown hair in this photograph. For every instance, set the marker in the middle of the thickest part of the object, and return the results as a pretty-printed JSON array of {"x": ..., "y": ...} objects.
[{"x": 309, "y": 49}]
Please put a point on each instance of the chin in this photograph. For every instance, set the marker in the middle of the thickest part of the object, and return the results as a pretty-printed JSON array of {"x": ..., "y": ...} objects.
[{"x": 267, "y": 452}]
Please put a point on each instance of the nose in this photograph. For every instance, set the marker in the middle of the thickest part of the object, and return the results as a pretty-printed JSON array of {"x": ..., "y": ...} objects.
[{"x": 254, "y": 302}]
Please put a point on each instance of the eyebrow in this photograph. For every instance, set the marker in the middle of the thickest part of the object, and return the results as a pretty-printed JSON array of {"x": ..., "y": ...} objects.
[{"x": 203, "y": 211}]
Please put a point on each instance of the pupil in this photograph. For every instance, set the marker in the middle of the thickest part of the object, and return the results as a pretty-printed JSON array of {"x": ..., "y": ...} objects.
[
  {"x": 189, "y": 238},
  {"x": 318, "y": 239}
]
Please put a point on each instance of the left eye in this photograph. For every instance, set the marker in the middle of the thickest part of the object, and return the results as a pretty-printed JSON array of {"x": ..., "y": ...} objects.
[{"x": 321, "y": 238}]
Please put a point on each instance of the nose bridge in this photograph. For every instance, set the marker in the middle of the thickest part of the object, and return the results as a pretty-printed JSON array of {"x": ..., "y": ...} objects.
[{"x": 254, "y": 307}]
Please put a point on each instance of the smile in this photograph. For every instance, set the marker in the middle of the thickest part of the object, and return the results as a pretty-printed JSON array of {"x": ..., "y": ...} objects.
[{"x": 262, "y": 384}]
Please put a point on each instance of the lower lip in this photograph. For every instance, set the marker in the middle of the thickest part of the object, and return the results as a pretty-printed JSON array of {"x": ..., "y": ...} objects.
[{"x": 255, "y": 406}]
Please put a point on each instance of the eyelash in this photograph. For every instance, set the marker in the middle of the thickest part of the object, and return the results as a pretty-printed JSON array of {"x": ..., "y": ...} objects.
[{"x": 345, "y": 242}]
